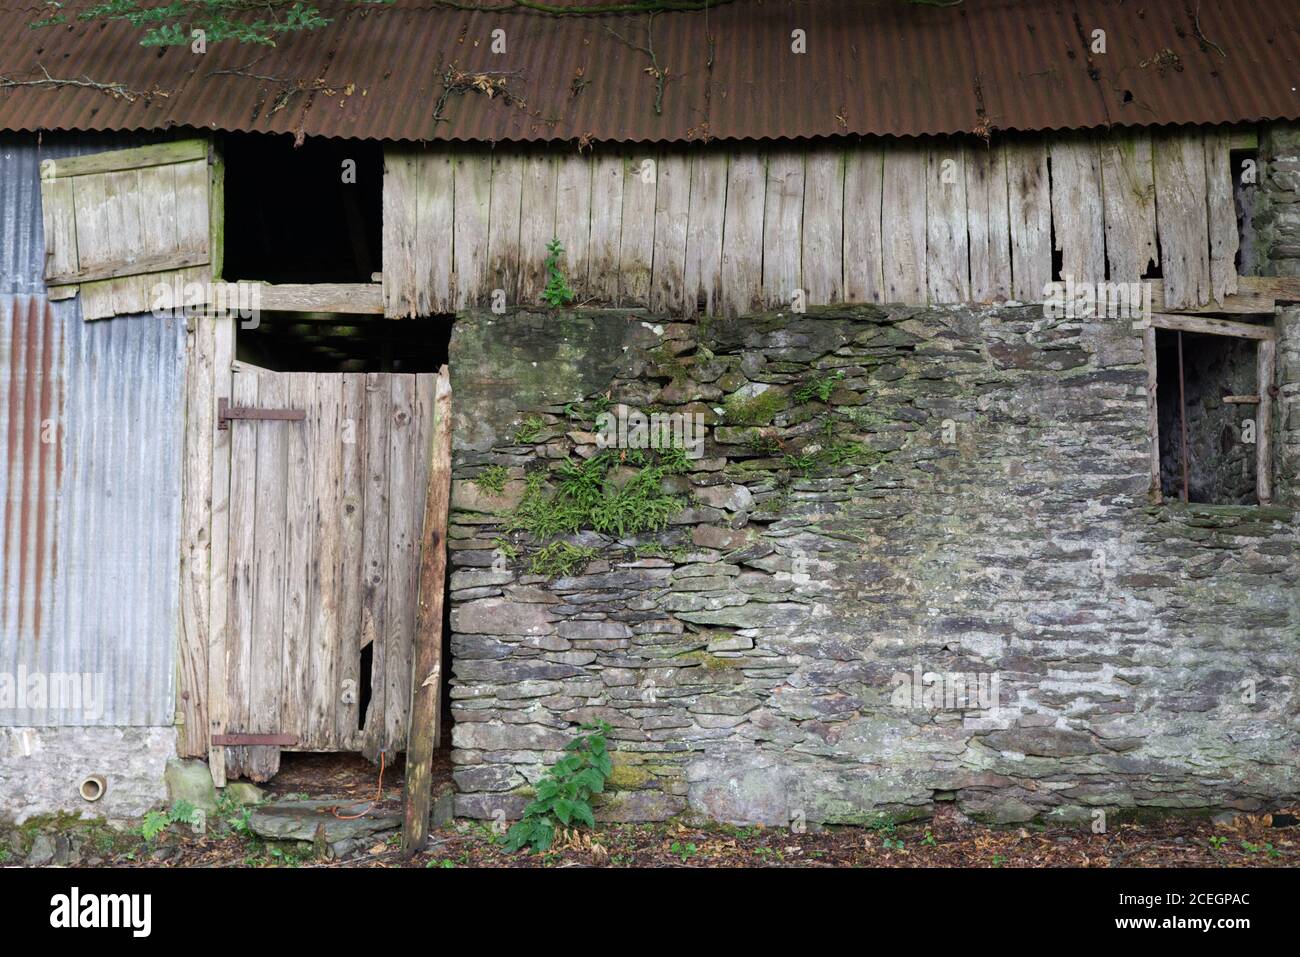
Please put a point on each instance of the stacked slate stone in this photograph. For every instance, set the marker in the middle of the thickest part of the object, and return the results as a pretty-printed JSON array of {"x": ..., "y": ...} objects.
[{"x": 885, "y": 495}]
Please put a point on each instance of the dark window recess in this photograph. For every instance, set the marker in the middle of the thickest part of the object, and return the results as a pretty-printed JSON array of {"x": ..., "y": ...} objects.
[
  {"x": 1220, "y": 462},
  {"x": 322, "y": 342},
  {"x": 291, "y": 218}
]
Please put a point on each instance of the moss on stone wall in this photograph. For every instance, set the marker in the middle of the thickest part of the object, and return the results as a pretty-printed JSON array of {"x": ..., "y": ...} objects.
[{"x": 967, "y": 495}]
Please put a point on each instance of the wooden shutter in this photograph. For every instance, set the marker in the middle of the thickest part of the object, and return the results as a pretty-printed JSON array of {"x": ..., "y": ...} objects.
[{"x": 119, "y": 223}]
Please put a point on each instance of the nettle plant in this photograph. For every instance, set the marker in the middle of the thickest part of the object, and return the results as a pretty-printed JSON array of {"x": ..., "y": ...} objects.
[
  {"x": 562, "y": 797},
  {"x": 557, "y": 291}
]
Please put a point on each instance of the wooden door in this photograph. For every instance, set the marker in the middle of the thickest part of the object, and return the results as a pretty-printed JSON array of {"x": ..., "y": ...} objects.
[{"x": 325, "y": 524}]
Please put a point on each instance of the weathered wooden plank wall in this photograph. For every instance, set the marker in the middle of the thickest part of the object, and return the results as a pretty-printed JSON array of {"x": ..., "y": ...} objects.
[{"x": 744, "y": 228}]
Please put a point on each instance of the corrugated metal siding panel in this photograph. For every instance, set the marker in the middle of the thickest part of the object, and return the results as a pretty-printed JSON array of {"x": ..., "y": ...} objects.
[
  {"x": 91, "y": 521},
  {"x": 873, "y": 67}
]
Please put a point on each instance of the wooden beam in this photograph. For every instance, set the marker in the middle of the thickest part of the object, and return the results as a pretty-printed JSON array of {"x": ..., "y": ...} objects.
[
  {"x": 1244, "y": 139},
  {"x": 1153, "y": 414},
  {"x": 254, "y": 740},
  {"x": 1241, "y": 399},
  {"x": 138, "y": 267},
  {"x": 1265, "y": 359},
  {"x": 216, "y": 213},
  {"x": 361, "y": 298},
  {"x": 1214, "y": 327},
  {"x": 426, "y": 670},
  {"x": 219, "y": 528},
  {"x": 159, "y": 154},
  {"x": 1256, "y": 295}
]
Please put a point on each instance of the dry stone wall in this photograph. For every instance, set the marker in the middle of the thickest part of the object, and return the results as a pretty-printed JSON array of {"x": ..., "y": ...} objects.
[{"x": 916, "y": 562}]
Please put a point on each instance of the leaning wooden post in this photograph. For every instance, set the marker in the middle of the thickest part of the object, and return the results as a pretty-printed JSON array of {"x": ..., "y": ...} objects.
[{"x": 426, "y": 670}]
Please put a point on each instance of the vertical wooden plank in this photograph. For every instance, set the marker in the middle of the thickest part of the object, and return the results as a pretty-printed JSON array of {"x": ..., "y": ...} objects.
[
  {"x": 403, "y": 525},
  {"x": 1030, "y": 205},
  {"x": 1221, "y": 214},
  {"x": 266, "y": 677},
  {"x": 325, "y": 586},
  {"x": 742, "y": 230},
  {"x": 503, "y": 225},
  {"x": 1153, "y": 411},
  {"x": 422, "y": 439},
  {"x": 903, "y": 231},
  {"x": 126, "y": 237},
  {"x": 195, "y": 180},
  {"x": 219, "y": 588},
  {"x": 401, "y": 205},
  {"x": 242, "y": 524},
  {"x": 196, "y": 540},
  {"x": 426, "y": 679},
  {"x": 193, "y": 217},
  {"x": 536, "y": 223},
  {"x": 1077, "y": 208},
  {"x": 703, "y": 273},
  {"x": 823, "y": 226},
  {"x": 606, "y": 227},
  {"x": 672, "y": 210},
  {"x": 573, "y": 217},
  {"x": 947, "y": 246},
  {"x": 637, "y": 242},
  {"x": 374, "y": 560},
  {"x": 864, "y": 182},
  {"x": 433, "y": 229},
  {"x": 158, "y": 220},
  {"x": 988, "y": 224},
  {"x": 59, "y": 220},
  {"x": 301, "y": 525},
  {"x": 1129, "y": 195},
  {"x": 472, "y": 172},
  {"x": 90, "y": 202},
  {"x": 350, "y": 568},
  {"x": 783, "y": 227},
  {"x": 1265, "y": 358},
  {"x": 216, "y": 213},
  {"x": 1182, "y": 218}
]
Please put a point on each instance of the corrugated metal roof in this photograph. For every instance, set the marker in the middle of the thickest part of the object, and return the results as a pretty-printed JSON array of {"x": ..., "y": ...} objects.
[
  {"x": 91, "y": 420},
  {"x": 871, "y": 67}
]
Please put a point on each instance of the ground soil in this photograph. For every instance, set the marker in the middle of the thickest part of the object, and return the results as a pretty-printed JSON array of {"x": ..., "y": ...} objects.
[{"x": 946, "y": 840}]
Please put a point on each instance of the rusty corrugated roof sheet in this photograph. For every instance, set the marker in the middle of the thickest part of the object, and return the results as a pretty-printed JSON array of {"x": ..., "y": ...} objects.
[{"x": 871, "y": 67}]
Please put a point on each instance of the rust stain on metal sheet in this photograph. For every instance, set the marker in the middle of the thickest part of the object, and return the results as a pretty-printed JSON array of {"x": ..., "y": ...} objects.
[{"x": 33, "y": 445}]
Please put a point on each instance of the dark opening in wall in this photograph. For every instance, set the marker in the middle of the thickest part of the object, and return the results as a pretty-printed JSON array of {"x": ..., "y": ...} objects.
[
  {"x": 1219, "y": 378},
  {"x": 321, "y": 342},
  {"x": 302, "y": 215},
  {"x": 1245, "y": 194},
  {"x": 366, "y": 689}
]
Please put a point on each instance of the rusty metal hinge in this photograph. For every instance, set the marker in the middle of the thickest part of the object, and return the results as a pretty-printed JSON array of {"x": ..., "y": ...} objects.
[{"x": 227, "y": 413}]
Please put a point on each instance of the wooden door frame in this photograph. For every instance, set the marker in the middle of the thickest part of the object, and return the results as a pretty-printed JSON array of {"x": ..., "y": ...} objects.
[
  {"x": 219, "y": 591},
  {"x": 1265, "y": 338}
]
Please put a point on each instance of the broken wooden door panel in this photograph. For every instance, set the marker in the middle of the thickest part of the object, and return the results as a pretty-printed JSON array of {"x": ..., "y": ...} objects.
[
  {"x": 117, "y": 223},
  {"x": 326, "y": 512}
]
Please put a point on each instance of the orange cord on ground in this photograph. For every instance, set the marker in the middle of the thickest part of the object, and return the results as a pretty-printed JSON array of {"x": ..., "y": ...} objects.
[{"x": 379, "y": 796}]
